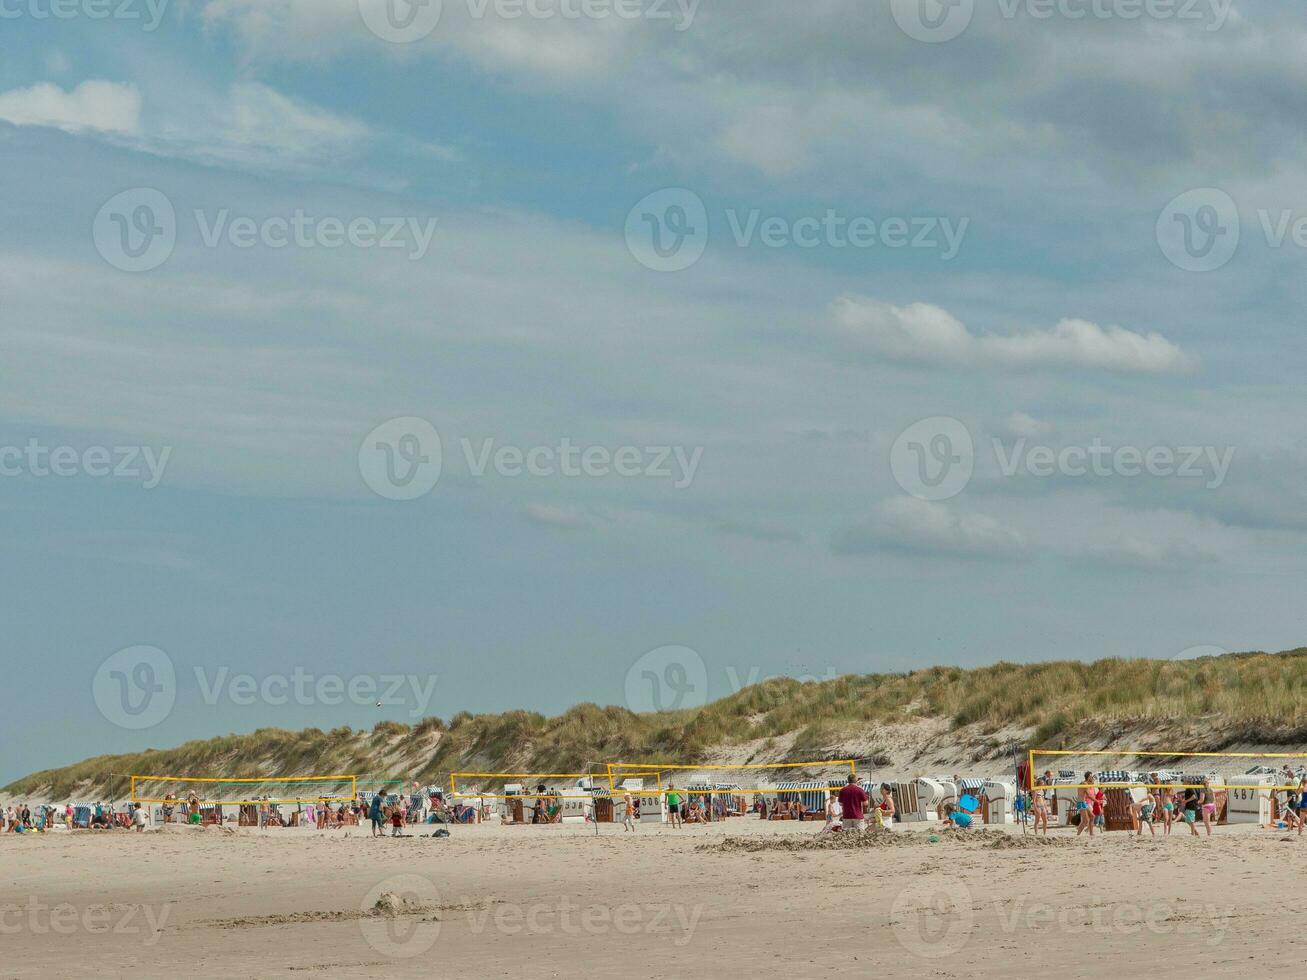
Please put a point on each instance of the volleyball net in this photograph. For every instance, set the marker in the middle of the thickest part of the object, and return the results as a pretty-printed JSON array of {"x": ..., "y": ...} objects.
[
  {"x": 751, "y": 778},
  {"x": 1135, "y": 769},
  {"x": 243, "y": 792},
  {"x": 528, "y": 784}
]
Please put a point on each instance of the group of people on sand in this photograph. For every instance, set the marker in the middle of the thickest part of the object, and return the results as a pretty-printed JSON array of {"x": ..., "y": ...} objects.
[
  {"x": 1158, "y": 802},
  {"x": 22, "y": 819},
  {"x": 847, "y": 809}
]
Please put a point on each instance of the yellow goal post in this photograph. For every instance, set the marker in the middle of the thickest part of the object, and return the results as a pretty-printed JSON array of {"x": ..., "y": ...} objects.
[
  {"x": 326, "y": 788},
  {"x": 618, "y": 770},
  {"x": 529, "y": 778},
  {"x": 1169, "y": 759}
]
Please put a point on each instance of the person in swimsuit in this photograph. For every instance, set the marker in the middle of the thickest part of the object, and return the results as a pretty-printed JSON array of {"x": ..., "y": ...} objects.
[
  {"x": 1192, "y": 803},
  {"x": 885, "y": 809},
  {"x": 1167, "y": 795},
  {"x": 1039, "y": 800},
  {"x": 1084, "y": 806},
  {"x": 1302, "y": 798},
  {"x": 1209, "y": 805},
  {"x": 1142, "y": 805}
]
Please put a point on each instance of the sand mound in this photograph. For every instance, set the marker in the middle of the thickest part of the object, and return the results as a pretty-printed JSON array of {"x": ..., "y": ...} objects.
[{"x": 853, "y": 841}]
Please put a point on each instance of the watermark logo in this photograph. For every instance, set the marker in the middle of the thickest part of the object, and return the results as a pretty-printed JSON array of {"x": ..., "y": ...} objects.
[
  {"x": 399, "y": 916},
  {"x": 1198, "y": 231},
  {"x": 136, "y": 230},
  {"x": 667, "y": 231},
  {"x": 136, "y": 687},
  {"x": 36, "y": 918},
  {"x": 148, "y": 12},
  {"x": 401, "y": 459},
  {"x": 1101, "y": 917},
  {"x": 401, "y": 21},
  {"x": 669, "y": 678},
  {"x": 1211, "y": 13},
  {"x": 1176, "y": 678},
  {"x": 1210, "y": 464},
  {"x": 933, "y": 918},
  {"x": 567, "y": 918},
  {"x": 305, "y": 689},
  {"x": 36, "y": 459},
  {"x": 933, "y": 459},
  {"x": 932, "y": 21}
]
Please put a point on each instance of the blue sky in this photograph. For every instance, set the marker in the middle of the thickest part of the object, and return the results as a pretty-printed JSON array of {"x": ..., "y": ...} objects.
[{"x": 765, "y": 393}]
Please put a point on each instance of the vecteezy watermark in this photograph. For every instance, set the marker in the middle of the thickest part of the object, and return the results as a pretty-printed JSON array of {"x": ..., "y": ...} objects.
[
  {"x": 148, "y": 12},
  {"x": 36, "y": 459},
  {"x": 306, "y": 689},
  {"x": 1174, "y": 678},
  {"x": 1207, "y": 463},
  {"x": 1109, "y": 917},
  {"x": 668, "y": 230},
  {"x": 402, "y": 459},
  {"x": 398, "y": 917},
  {"x": 668, "y": 678},
  {"x": 933, "y": 917},
  {"x": 565, "y": 917},
  {"x": 934, "y": 459},
  {"x": 36, "y": 918},
  {"x": 932, "y": 21},
  {"x": 407, "y": 21},
  {"x": 1211, "y": 14},
  {"x": 1200, "y": 230},
  {"x": 136, "y": 231},
  {"x": 673, "y": 678},
  {"x": 936, "y": 21},
  {"x": 136, "y": 687}
]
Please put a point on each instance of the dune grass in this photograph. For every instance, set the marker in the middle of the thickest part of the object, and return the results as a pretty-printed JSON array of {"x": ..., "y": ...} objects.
[{"x": 1051, "y": 702}]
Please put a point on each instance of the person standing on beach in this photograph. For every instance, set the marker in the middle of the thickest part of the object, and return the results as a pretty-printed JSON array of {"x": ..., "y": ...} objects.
[
  {"x": 1192, "y": 803},
  {"x": 1209, "y": 805},
  {"x": 674, "y": 806},
  {"x": 1085, "y": 806},
  {"x": 853, "y": 805},
  {"x": 628, "y": 814},
  {"x": 885, "y": 809},
  {"x": 1039, "y": 800},
  {"x": 374, "y": 815}
]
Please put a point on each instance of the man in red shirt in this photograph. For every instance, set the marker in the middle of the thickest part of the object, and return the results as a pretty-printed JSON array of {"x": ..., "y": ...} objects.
[{"x": 853, "y": 805}]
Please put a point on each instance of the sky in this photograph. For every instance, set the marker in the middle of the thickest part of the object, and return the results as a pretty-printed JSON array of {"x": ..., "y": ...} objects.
[{"x": 366, "y": 360}]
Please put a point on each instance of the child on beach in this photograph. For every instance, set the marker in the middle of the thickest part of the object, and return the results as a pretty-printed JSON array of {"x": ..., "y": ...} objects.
[{"x": 628, "y": 815}]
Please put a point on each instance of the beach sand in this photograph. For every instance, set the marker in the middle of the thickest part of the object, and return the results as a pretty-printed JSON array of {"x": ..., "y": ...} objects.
[{"x": 744, "y": 897}]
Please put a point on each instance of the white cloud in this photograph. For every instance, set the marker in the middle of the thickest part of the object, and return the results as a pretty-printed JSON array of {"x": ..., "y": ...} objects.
[
  {"x": 95, "y": 104},
  {"x": 912, "y": 525},
  {"x": 921, "y": 333},
  {"x": 554, "y": 516},
  {"x": 1021, "y": 425},
  {"x": 262, "y": 118}
]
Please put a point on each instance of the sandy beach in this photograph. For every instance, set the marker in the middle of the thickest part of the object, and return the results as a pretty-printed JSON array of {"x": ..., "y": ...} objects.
[{"x": 560, "y": 901}]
